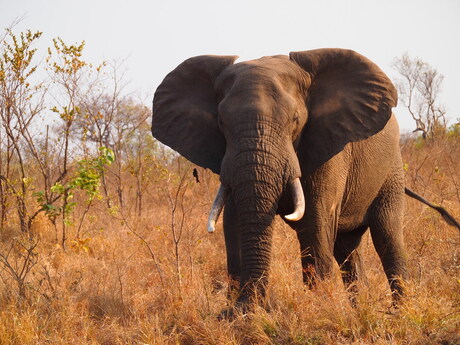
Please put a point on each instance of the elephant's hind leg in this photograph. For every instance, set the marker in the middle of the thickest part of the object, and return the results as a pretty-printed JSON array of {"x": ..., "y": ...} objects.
[
  {"x": 385, "y": 220},
  {"x": 348, "y": 256}
]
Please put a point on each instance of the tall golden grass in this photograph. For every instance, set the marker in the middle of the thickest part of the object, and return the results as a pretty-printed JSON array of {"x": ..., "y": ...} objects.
[{"x": 126, "y": 282}]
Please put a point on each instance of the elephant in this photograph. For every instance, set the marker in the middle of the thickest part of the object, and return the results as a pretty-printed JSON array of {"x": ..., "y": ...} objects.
[{"x": 311, "y": 137}]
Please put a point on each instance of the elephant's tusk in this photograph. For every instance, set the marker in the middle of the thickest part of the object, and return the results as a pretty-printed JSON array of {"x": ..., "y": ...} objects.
[
  {"x": 216, "y": 208},
  {"x": 299, "y": 201}
]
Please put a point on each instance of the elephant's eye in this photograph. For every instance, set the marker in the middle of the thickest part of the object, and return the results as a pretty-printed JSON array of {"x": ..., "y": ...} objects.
[
  {"x": 296, "y": 121},
  {"x": 221, "y": 113},
  {"x": 295, "y": 126}
]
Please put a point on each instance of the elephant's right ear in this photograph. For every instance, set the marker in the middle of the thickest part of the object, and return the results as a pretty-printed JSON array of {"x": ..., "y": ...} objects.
[{"x": 185, "y": 110}]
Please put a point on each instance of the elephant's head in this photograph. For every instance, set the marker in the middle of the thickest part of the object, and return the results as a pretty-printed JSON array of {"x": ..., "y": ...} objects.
[{"x": 253, "y": 122}]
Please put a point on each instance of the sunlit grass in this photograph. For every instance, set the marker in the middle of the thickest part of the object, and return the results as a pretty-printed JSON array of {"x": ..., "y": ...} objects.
[{"x": 119, "y": 285}]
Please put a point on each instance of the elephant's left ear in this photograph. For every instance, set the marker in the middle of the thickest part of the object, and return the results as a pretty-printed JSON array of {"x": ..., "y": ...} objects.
[{"x": 350, "y": 98}]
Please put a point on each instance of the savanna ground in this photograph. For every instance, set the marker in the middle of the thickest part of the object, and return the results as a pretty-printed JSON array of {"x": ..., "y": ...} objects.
[
  {"x": 158, "y": 278},
  {"x": 97, "y": 250}
]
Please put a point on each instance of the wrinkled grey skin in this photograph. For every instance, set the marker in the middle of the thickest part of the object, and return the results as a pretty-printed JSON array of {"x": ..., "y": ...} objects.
[{"x": 322, "y": 115}]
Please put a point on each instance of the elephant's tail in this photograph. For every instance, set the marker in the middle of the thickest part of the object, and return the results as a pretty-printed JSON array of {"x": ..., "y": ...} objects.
[{"x": 442, "y": 211}]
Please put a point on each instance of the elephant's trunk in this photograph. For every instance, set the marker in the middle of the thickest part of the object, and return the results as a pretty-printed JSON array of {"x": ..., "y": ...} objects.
[
  {"x": 257, "y": 183},
  {"x": 258, "y": 173},
  {"x": 256, "y": 213}
]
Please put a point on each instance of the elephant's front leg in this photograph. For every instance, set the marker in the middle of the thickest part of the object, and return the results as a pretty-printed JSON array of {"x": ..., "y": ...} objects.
[
  {"x": 317, "y": 232},
  {"x": 317, "y": 256},
  {"x": 232, "y": 234}
]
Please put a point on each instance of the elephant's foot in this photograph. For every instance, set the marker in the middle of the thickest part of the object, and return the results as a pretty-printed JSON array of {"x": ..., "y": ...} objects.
[
  {"x": 250, "y": 295},
  {"x": 233, "y": 289},
  {"x": 243, "y": 307},
  {"x": 394, "y": 309},
  {"x": 230, "y": 314},
  {"x": 238, "y": 311},
  {"x": 398, "y": 290},
  {"x": 397, "y": 296},
  {"x": 397, "y": 302},
  {"x": 309, "y": 275},
  {"x": 352, "y": 290}
]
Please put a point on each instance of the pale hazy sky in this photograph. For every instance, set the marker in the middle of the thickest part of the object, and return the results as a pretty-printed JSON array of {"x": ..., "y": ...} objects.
[{"x": 155, "y": 36}]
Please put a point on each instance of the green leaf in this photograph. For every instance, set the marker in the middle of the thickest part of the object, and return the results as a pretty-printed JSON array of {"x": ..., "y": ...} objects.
[{"x": 58, "y": 188}]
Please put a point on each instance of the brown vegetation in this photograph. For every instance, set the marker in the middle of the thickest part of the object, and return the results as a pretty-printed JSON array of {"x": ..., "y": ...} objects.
[
  {"x": 159, "y": 278},
  {"x": 100, "y": 253}
]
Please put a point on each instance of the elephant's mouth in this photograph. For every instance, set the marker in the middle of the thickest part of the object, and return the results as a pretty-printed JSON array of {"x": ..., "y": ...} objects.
[{"x": 297, "y": 195}]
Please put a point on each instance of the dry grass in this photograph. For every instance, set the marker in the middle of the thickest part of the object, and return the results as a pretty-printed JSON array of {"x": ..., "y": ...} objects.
[{"x": 121, "y": 285}]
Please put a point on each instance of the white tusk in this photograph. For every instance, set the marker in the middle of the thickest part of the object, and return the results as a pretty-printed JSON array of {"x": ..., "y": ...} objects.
[
  {"x": 299, "y": 201},
  {"x": 216, "y": 208}
]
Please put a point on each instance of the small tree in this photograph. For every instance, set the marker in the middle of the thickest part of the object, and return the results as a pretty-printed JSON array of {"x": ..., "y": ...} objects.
[
  {"x": 120, "y": 123},
  {"x": 36, "y": 157},
  {"x": 87, "y": 178},
  {"x": 419, "y": 87},
  {"x": 21, "y": 101}
]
